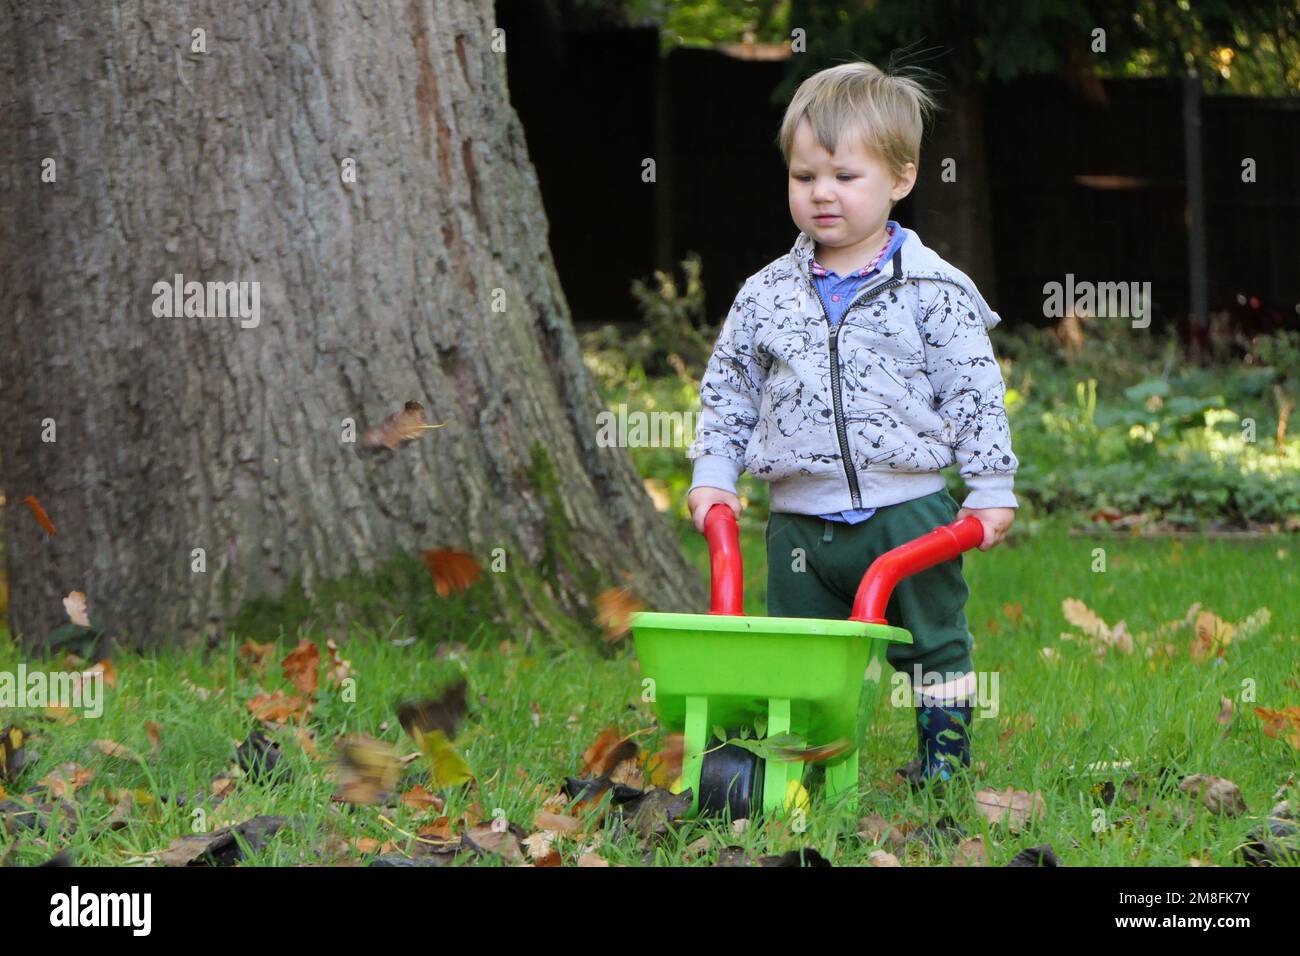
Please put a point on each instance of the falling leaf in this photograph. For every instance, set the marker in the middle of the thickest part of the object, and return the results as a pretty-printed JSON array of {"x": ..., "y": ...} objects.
[
  {"x": 111, "y": 748},
  {"x": 302, "y": 666},
  {"x": 66, "y": 779},
  {"x": 366, "y": 769},
  {"x": 452, "y": 570},
  {"x": 407, "y": 425},
  {"x": 1284, "y": 723},
  {"x": 338, "y": 670},
  {"x": 447, "y": 768},
  {"x": 75, "y": 605},
  {"x": 442, "y": 713},
  {"x": 44, "y": 519},
  {"x": 614, "y": 609},
  {"x": 1015, "y": 807},
  {"x": 276, "y": 708}
]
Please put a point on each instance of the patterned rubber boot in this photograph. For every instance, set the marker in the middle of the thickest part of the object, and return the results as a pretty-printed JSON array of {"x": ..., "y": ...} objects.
[{"x": 943, "y": 739}]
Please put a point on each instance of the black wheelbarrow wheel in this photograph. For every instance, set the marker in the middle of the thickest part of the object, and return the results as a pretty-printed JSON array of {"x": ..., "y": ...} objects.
[{"x": 731, "y": 778}]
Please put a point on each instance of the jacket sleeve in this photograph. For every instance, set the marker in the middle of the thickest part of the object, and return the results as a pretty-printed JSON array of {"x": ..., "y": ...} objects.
[
  {"x": 730, "y": 393},
  {"x": 969, "y": 393}
]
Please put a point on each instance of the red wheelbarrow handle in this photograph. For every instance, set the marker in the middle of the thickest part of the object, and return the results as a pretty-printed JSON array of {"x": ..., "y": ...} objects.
[
  {"x": 942, "y": 544},
  {"x": 723, "y": 534}
]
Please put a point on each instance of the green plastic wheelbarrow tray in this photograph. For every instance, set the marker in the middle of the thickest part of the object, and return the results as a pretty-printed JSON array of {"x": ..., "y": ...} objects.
[{"x": 796, "y": 682}]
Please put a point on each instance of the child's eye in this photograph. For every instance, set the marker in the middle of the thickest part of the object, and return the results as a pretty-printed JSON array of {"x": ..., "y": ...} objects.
[{"x": 847, "y": 176}]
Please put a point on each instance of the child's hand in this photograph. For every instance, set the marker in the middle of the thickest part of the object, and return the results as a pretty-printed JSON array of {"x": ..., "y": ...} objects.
[
  {"x": 996, "y": 521},
  {"x": 701, "y": 499}
]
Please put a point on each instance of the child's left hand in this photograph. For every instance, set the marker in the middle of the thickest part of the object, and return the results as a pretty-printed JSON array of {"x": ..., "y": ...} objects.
[{"x": 996, "y": 521}]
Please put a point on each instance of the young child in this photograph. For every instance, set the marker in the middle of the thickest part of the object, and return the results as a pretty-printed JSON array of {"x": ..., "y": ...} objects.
[{"x": 847, "y": 374}]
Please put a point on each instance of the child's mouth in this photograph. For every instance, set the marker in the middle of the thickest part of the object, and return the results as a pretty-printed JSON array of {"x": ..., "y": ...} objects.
[{"x": 824, "y": 220}]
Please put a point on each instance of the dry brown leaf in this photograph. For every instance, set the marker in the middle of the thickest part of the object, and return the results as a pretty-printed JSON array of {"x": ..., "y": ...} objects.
[
  {"x": 106, "y": 670},
  {"x": 970, "y": 852},
  {"x": 75, "y": 605},
  {"x": 66, "y": 779},
  {"x": 111, "y": 748},
  {"x": 278, "y": 707},
  {"x": 451, "y": 570},
  {"x": 1220, "y": 796},
  {"x": 1225, "y": 711},
  {"x": 882, "y": 858},
  {"x": 557, "y": 822},
  {"x": 591, "y": 859},
  {"x": 255, "y": 654},
  {"x": 614, "y": 609},
  {"x": 155, "y": 735},
  {"x": 439, "y": 829},
  {"x": 301, "y": 667},
  {"x": 1084, "y": 618},
  {"x": 407, "y": 425},
  {"x": 417, "y": 798},
  {"x": 61, "y": 715},
  {"x": 1014, "y": 807},
  {"x": 666, "y": 765},
  {"x": 608, "y": 751},
  {"x": 337, "y": 670},
  {"x": 1284, "y": 723},
  {"x": 1213, "y": 635}
]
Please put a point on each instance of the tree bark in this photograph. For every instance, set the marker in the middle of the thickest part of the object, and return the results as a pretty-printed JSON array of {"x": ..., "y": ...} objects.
[{"x": 181, "y": 433}]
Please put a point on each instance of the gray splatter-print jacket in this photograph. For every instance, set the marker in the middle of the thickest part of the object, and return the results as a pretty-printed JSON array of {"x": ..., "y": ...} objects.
[{"x": 866, "y": 414}]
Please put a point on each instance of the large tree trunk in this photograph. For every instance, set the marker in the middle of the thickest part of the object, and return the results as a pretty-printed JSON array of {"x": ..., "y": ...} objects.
[{"x": 181, "y": 433}]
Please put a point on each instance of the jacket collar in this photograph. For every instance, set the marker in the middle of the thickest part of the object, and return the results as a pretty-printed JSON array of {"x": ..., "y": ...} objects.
[{"x": 920, "y": 262}]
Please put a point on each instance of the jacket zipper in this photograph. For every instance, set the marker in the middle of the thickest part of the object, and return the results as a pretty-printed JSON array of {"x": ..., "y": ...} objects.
[{"x": 833, "y": 337}]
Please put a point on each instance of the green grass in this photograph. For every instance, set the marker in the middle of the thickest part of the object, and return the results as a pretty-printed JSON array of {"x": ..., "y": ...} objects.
[{"x": 1156, "y": 713}]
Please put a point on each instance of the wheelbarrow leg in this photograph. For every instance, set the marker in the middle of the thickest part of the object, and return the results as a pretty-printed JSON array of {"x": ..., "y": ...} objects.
[
  {"x": 777, "y": 774},
  {"x": 695, "y": 738},
  {"x": 843, "y": 776}
]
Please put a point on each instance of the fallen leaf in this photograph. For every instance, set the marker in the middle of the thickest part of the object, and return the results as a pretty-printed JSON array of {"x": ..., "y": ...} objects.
[
  {"x": 1213, "y": 635},
  {"x": 608, "y": 751},
  {"x": 591, "y": 859},
  {"x": 882, "y": 858},
  {"x": 278, "y": 707},
  {"x": 111, "y": 748},
  {"x": 1221, "y": 797},
  {"x": 1284, "y": 723},
  {"x": 302, "y": 667},
  {"x": 970, "y": 852},
  {"x": 1084, "y": 618},
  {"x": 66, "y": 779},
  {"x": 1014, "y": 807},
  {"x": 665, "y": 766},
  {"x": 41, "y": 517},
  {"x": 1225, "y": 711},
  {"x": 451, "y": 570},
  {"x": 338, "y": 670},
  {"x": 417, "y": 798},
  {"x": 504, "y": 843},
  {"x": 255, "y": 654},
  {"x": 557, "y": 822},
  {"x": 155, "y": 735},
  {"x": 220, "y": 847}
]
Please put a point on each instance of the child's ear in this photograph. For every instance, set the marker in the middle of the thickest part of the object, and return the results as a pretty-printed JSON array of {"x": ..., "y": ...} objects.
[{"x": 903, "y": 182}]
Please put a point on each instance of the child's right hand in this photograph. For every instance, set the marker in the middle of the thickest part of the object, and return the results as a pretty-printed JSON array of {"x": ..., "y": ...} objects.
[{"x": 701, "y": 499}]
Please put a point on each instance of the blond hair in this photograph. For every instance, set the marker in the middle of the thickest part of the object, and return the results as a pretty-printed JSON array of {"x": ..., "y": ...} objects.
[{"x": 886, "y": 111}]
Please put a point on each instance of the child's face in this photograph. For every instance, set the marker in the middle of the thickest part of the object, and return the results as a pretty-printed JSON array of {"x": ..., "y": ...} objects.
[{"x": 842, "y": 200}]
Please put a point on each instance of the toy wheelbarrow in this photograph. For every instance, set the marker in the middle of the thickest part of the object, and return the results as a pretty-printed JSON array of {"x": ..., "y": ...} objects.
[{"x": 789, "y": 689}]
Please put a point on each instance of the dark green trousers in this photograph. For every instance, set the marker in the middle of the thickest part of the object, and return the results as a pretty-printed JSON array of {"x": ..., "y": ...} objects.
[{"x": 822, "y": 579}]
